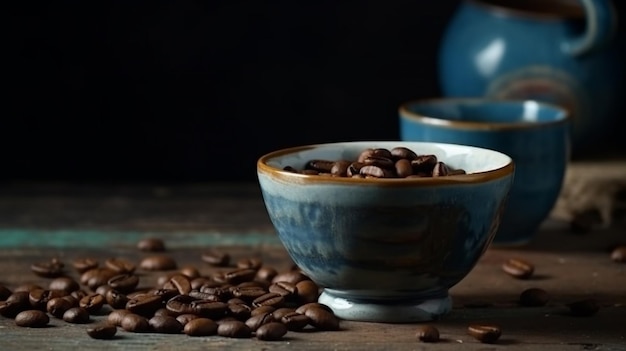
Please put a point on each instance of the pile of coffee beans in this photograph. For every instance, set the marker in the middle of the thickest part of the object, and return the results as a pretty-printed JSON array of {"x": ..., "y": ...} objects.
[
  {"x": 399, "y": 162},
  {"x": 241, "y": 299}
]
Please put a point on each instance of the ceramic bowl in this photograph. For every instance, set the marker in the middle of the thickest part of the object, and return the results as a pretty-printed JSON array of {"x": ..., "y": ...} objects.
[
  {"x": 536, "y": 136},
  {"x": 386, "y": 249}
]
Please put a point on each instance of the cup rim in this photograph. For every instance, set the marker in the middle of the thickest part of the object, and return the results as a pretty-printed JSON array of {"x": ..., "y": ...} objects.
[
  {"x": 263, "y": 167},
  {"x": 406, "y": 113}
]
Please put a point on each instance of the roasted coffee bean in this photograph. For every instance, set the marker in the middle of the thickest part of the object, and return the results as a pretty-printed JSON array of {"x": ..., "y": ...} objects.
[
  {"x": 303, "y": 308},
  {"x": 403, "y": 168},
  {"x": 48, "y": 269},
  {"x": 57, "y": 306},
  {"x": 518, "y": 268},
  {"x": 210, "y": 309},
  {"x": 144, "y": 305},
  {"x": 427, "y": 333},
  {"x": 295, "y": 321},
  {"x": 440, "y": 170},
  {"x": 619, "y": 254},
  {"x": 216, "y": 258},
  {"x": 134, "y": 323},
  {"x": 165, "y": 294},
  {"x": 271, "y": 331},
  {"x": 401, "y": 152},
  {"x": 534, "y": 297},
  {"x": 322, "y": 319},
  {"x": 78, "y": 294},
  {"x": 252, "y": 263},
  {"x": 96, "y": 277},
  {"x": 165, "y": 325},
  {"x": 379, "y": 161},
  {"x": 584, "y": 308},
  {"x": 190, "y": 272},
  {"x": 239, "y": 311},
  {"x": 262, "y": 309},
  {"x": 376, "y": 172},
  {"x": 66, "y": 284},
  {"x": 270, "y": 299},
  {"x": 39, "y": 298},
  {"x": 103, "y": 290},
  {"x": 184, "y": 318},
  {"x": 200, "y": 327},
  {"x": 340, "y": 168},
  {"x": 424, "y": 163},
  {"x": 178, "y": 282},
  {"x": 198, "y": 295},
  {"x": 124, "y": 283},
  {"x": 115, "y": 317},
  {"x": 163, "y": 312},
  {"x": 199, "y": 282},
  {"x": 116, "y": 299},
  {"x": 76, "y": 315},
  {"x": 234, "y": 329},
  {"x": 17, "y": 302},
  {"x": 284, "y": 289},
  {"x": 32, "y": 319},
  {"x": 71, "y": 299},
  {"x": 265, "y": 274},
  {"x": 102, "y": 331},
  {"x": 82, "y": 265},
  {"x": 354, "y": 169},
  {"x": 307, "y": 291},
  {"x": 158, "y": 263},
  {"x": 120, "y": 265},
  {"x": 92, "y": 303},
  {"x": 151, "y": 245},
  {"x": 320, "y": 165},
  {"x": 256, "y": 321},
  {"x": 28, "y": 287},
  {"x": 239, "y": 275},
  {"x": 293, "y": 277},
  {"x": 280, "y": 312},
  {"x": 484, "y": 333},
  {"x": 4, "y": 292}
]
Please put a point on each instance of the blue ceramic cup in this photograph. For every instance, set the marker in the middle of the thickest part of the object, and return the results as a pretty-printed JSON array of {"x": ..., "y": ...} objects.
[{"x": 534, "y": 134}]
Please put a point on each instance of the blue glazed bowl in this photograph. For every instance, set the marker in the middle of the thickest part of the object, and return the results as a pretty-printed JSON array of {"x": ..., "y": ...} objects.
[
  {"x": 536, "y": 135},
  {"x": 386, "y": 249}
]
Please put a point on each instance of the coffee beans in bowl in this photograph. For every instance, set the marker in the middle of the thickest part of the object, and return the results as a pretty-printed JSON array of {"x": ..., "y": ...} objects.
[{"x": 385, "y": 227}]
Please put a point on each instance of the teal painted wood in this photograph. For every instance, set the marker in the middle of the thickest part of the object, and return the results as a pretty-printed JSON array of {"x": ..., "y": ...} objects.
[{"x": 62, "y": 238}]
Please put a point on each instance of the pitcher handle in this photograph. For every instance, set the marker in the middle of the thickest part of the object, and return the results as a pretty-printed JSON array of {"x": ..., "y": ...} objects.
[{"x": 601, "y": 22}]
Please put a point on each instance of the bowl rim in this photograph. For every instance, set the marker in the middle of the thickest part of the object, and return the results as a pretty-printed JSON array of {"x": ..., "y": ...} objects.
[
  {"x": 405, "y": 112},
  {"x": 263, "y": 167}
]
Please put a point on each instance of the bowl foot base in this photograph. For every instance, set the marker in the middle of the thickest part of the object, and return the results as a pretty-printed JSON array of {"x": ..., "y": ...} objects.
[{"x": 386, "y": 312}]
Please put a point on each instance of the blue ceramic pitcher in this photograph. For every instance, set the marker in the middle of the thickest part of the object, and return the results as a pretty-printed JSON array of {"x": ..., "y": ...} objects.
[{"x": 558, "y": 51}]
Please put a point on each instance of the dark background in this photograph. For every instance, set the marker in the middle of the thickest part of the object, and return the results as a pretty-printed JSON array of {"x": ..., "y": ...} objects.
[{"x": 146, "y": 91}]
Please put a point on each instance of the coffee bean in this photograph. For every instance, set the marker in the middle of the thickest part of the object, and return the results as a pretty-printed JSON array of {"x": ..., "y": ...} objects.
[
  {"x": 280, "y": 312},
  {"x": 252, "y": 263},
  {"x": 440, "y": 170},
  {"x": 158, "y": 263},
  {"x": 403, "y": 168},
  {"x": 271, "y": 331},
  {"x": 293, "y": 277},
  {"x": 116, "y": 299},
  {"x": 619, "y": 254},
  {"x": 92, "y": 303},
  {"x": 295, "y": 321},
  {"x": 97, "y": 277},
  {"x": 17, "y": 302},
  {"x": 4, "y": 292},
  {"x": 151, "y": 245},
  {"x": 134, "y": 323},
  {"x": 262, "y": 309},
  {"x": 76, "y": 315},
  {"x": 49, "y": 269},
  {"x": 340, "y": 168},
  {"x": 190, "y": 272},
  {"x": 401, "y": 152},
  {"x": 209, "y": 309},
  {"x": 200, "y": 327},
  {"x": 184, "y": 318},
  {"x": 270, "y": 299},
  {"x": 258, "y": 320},
  {"x": 28, "y": 287},
  {"x": 66, "y": 284},
  {"x": 518, "y": 268},
  {"x": 57, "y": 306},
  {"x": 239, "y": 275},
  {"x": 234, "y": 329},
  {"x": 307, "y": 291},
  {"x": 534, "y": 297},
  {"x": 240, "y": 311},
  {"x": 165, "y": 325},
  {"x": 266, "y": 274},
  {"x": 39, "y": 298},
  {"x": 322, "y": 319},
  {"x": 485, "y": 333},
  {"x": 32, "y": 319},
  {"x": 303, "y": 308},
  {"x": 216, "y": 258},
  {"x": 82, "y": 265},
  {"x": 584, "y": 308},
  {"x": 284, "y": 289},
  {"x": 427, "y": 333},
  {"x": 124, "y": 283},
  {"x": 180, "y": 283},
  {"x": 120, "y": 265},
  {"x": 116, "y": 316},
  {"x": 144, "y": 305},
  {"x": 324, "y": 166},
  {"x": 102, "y": 331}
]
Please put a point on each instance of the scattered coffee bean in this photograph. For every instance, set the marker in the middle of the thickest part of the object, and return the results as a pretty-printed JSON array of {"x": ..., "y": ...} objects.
[
  {"x": 32, "y": 319},
  {"x": 534, "y": 297},
  {"x": 518, "y": 268},
  {"x": 258, "y": 320},
  {"x": 427, "y": 333},
  {"x": 584, "y": 308},
  {"x": 134, "y": 323},
  {"x": 151, "y": 245},
  {"x": 49, "y": 269},
  {"x": 76, "y": 315},
  {"x": 120, "y": 265},
  {"x": 66, "y": 284},
  {"x": 17, "y": 302},
  {"x": 619, "y": 254},
  {"x": 216, "y": 258},
  {"x": 271, "y": 331},
  {"x": 185, "y": 318},
  {"x": 234, "y": 329},
  {"x": 485, "y": 333},
  {"x": 102, "y": 331},
  {"x": 116, "y": 316},
  {"x": 57, "y": 306},
  {"x": 200, "y": 327},
  {"x": 322, "y": 319},
  {"x": 82, "y": 265},
  {"x": 125, "y": 282},
  {"x": 165, "y": 325},
  {"x": 295, "y": 321},
  {"x": 92, "y": 303},
  {"x": 307, "y": 291},
  {"x": 158, "y": 263}
]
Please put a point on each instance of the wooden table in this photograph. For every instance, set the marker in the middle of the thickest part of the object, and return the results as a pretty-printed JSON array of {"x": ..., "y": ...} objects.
[{"x": 41, "y": 221}]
